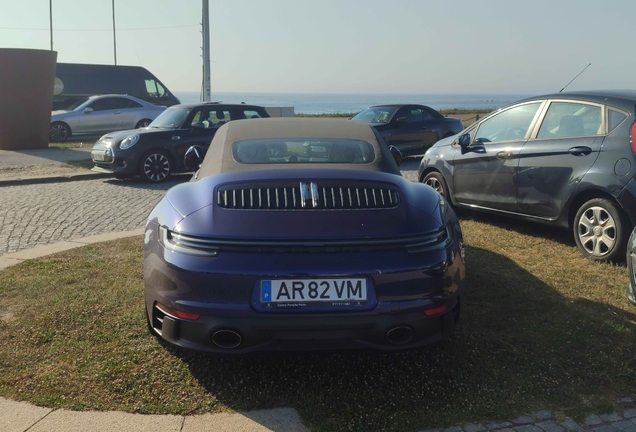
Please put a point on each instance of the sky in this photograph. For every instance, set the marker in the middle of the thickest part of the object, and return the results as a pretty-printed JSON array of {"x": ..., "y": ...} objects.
[{"x": 344, "y": 46}]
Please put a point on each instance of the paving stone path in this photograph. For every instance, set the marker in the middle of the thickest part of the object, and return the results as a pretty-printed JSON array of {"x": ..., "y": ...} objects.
[
  {"x": 544, "y": 421},
  {"x": 39, "y": 214}
]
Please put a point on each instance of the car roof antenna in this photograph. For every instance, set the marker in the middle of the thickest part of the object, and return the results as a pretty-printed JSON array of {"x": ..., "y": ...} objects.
[{"x": 575, "y": 77}]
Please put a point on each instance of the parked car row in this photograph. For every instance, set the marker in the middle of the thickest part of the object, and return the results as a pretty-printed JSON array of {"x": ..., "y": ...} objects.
[{"x": 302, "y": 234}]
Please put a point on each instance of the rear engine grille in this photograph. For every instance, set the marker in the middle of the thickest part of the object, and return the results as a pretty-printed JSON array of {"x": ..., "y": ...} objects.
[
  {"x": 307, "y": 196},
  {"x": 195, "y": 245}
]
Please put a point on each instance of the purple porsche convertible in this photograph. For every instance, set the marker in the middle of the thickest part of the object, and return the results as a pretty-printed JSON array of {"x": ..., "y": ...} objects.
[{"x": 301, "y": 234}]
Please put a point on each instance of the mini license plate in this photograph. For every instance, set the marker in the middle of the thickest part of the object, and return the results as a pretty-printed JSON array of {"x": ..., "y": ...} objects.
[
  {"x": 98, "y": 157},
  {"x": 317, "y": 292}
]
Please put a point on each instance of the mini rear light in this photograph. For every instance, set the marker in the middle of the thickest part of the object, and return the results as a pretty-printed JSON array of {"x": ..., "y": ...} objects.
[
  {"x": 435, "y": 311},
  {"x": 177, "y": 313},
  {"x": 632, "y": 137}
]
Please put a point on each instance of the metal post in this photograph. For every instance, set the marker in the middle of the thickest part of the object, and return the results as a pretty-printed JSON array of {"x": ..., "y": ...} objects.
[
  {"x": 51, "y": 21},
  {"x": 207, "y": 91},
  {"x": 114, "y": 38}
]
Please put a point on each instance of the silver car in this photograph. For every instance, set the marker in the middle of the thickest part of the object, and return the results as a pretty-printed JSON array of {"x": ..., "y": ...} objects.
[{"x": 98, "y": 115}]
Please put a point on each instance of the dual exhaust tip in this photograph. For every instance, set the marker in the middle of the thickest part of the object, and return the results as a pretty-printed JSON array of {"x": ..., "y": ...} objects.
[
  {"x": 399, "y": 335},
  {"x": 229, "y": 339}
]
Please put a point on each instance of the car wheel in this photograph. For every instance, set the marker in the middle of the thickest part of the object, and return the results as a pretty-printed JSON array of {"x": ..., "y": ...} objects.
[
  {"x": 155, "y": 166},
  {"x": 59, "y": 132},
  {"x": 143, "y": 123},
  {"x": 435, "y": 180},
  {"x": 601, "y": 230}
]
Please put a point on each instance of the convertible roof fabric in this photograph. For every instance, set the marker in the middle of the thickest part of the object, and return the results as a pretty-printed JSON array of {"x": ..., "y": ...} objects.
[{"x": 219, "y": 158}]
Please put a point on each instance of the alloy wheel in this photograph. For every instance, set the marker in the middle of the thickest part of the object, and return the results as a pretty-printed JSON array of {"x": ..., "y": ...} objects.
[
  {"x": 597, "y": 231},
  {"x": 156, "y": 167},
  {"x": 435, "y": 184},
  {"x": 58, "y": 132}
]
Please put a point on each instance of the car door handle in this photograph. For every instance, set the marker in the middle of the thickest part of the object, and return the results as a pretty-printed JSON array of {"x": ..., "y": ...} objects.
[
  {"x": 580, "y": 151},
  {"x": 117, "y": 112},
  {"x": 176, "y": 137},
  {"x": 504, "y": 155}
]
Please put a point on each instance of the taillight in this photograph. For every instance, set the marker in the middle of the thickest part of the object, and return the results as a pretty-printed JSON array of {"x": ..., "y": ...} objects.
[
  {"x": 178, "y": 313},
  {"x": 632, "y": 137},
  {"x": 435, "y": 311}
]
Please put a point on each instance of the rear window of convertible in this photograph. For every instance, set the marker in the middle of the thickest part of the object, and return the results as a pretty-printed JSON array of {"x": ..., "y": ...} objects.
[{"x": 303, "y": 150}]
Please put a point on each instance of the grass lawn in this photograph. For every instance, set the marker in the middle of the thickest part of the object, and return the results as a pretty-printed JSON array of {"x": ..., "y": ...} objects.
[{"x": 542, "y": 328}]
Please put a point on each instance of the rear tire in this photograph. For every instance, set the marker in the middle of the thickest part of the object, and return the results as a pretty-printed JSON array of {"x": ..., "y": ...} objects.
[
  {"x": 436, "y": 180},
  {"x": 155, "y": 166},
  {"x": 60, "y": 132},
  {"x": 601, "y": 230}
]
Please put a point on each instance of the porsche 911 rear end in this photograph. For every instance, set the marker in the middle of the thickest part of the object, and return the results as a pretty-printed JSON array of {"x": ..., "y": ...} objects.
[{"x": 302, "y": 260}]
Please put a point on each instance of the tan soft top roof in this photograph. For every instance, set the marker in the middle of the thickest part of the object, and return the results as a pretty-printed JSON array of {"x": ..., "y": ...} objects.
[{"x": 219, "y": 158}]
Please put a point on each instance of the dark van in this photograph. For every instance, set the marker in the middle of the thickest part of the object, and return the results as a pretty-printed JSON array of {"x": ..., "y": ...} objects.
[{"x": 74, "y": 81}]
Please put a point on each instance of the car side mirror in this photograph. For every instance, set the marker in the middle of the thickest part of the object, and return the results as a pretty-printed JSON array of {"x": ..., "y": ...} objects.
[
  {"x": 397, "y": 154},
  {"x": 464, "y": 140},
  {"x": 401, "y": 120},
  {"x": 193, "y": 158},
  {"x": 88, "y": 110},
  {"x": 198, "y": 125}
]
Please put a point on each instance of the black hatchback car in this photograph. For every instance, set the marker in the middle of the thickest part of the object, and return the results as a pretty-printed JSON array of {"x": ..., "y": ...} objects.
[
  {"x": 413, "y": 129},
  {"x": 157, "y": 151},
  {"x": 565, "y": 159}
]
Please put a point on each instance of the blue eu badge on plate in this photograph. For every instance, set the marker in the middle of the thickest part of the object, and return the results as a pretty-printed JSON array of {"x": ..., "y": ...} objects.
[{"x": 266, "y": 291}]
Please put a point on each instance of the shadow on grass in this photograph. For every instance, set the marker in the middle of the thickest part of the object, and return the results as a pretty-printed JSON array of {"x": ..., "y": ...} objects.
[
  {"x": 520, "y": 347},
  {"x": 534, "y": 229}
]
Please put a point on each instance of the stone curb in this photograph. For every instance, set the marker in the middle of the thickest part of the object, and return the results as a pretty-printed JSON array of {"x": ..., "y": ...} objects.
[
  {"x": 22, "y": 417},
  {"x": 52, "y": 179},
  {"x": 40, "y": 251}
]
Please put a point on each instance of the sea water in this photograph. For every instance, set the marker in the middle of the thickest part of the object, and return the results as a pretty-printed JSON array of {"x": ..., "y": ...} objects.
[{"x": 324, "y": 103}]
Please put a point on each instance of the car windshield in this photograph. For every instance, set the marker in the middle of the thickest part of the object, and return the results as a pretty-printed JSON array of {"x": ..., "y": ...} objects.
[
  {"x": 303, "y": 150},
  {"x": 376, "y": 114},
  {"x": 77, "y": 104},
  {"x": 170, "y": 118}
]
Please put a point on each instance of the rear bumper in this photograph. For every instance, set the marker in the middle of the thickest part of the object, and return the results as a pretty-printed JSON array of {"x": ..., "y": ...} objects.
[
  {"x": 385, "y": 328},
  {"x": 414, "y": 299}
]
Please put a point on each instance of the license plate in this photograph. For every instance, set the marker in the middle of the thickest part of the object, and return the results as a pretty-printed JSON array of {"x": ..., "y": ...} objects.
[
  {"x": 323, "y": 292},
  {"x": 98, "y": 157}
]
